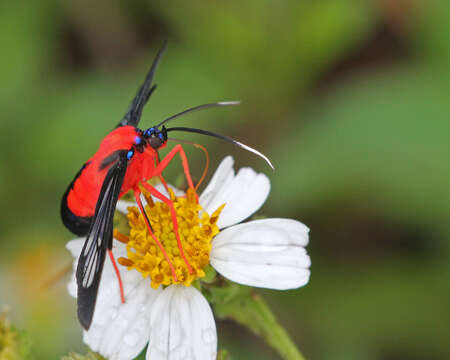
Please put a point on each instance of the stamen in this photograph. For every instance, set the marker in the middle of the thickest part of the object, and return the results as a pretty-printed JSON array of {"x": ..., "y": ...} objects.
[
  {"x": 120, "y": 237},
  {"x": 125, "y": 262},
  {"x": 191, "y": 196},
  {"x": 149, "y": 227},
  {"x": 147, "y": 197},
  {"x": 195, "y": 235},
  {"x": 215, "y": 214},
  {"x": 171, "y": 195},
  {"x": 169, "y": 203}
]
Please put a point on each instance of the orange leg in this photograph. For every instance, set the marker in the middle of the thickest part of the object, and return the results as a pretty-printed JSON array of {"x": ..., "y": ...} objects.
[
  {"x": 119, "y": 278},
  {"x": 160, "y": 175},
  {"x": 164, "y": 183},
  {"x": 168, "y": 158},
  {"x": 169, "y": 203},
  {"x": 205, "y": 170},
  {"x": 137, "y": 194}
]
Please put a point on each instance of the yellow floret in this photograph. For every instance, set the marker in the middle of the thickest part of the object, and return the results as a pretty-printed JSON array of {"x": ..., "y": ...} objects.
[{"x": 196, "y": 232}]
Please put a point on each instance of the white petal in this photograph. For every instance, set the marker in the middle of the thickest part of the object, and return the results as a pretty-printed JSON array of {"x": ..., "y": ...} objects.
[
  {"x": 72, "y": 286},
  {"x": 120, "y": 331},
  {"x": 75, "y": 246},
  {"x": 243, "y": 193},
  {"x": 222, "y": 175},
  {"x": 182, "y": 326},
  {"x": 265, "y": 253},
  {"x": 122, "y": 205},
  {"x": 160, "y": 187},
  {"x": 119, "y": 249}
]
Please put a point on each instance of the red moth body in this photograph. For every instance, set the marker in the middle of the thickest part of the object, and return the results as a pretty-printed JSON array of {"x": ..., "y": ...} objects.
[{"x": 82, "y": 198}]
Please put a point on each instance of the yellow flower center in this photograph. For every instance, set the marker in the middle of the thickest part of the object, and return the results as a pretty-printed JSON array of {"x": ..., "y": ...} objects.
[{"x": 195, "y": 227}]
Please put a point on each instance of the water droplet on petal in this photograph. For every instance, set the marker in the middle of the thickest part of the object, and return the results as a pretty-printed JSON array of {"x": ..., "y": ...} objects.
[{"x": 172, "y": 344}]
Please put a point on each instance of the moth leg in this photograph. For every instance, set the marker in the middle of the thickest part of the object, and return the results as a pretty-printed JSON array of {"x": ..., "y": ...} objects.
[
  {"x": 205, "y": 170},
  {"x": 168, "y": 158},
  {"x": 169, "y": 203},
  {"x": 163, "y": 181},
  {"x": 119, "y": 278},
  {"x": 137, "y": 194}
]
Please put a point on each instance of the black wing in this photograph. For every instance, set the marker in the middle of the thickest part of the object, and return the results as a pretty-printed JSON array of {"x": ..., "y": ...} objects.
[
  {"x": 133, "y": 115},
  {"x": 99, "y": 239}
]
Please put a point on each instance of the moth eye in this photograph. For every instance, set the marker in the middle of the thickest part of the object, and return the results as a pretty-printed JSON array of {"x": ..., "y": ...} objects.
[{"x": 155, "y": 142}]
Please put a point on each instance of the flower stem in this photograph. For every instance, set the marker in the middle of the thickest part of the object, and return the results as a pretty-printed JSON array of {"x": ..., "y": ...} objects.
[{"x": 249, "y": 309}]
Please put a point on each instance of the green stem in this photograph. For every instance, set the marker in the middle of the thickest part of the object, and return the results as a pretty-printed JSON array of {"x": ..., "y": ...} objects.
[{"x": 249, "y": 309}]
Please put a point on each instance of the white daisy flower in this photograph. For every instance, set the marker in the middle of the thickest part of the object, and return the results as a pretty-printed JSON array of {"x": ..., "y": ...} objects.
[{"x": 177, "y": 321}]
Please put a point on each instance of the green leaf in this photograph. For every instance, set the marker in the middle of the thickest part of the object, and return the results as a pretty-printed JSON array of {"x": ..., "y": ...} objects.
[
  {"x": 244, "y": 306},
  {"x": 210, "y": 275}
]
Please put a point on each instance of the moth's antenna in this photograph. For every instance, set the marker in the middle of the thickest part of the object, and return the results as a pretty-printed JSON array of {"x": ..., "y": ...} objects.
[
  {"x": 222, "y": 137},
  {"x": 200, "y": 107}
]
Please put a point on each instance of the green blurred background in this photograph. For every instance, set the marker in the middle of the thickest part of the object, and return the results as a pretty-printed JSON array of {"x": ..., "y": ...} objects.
[{"x": 349, "y": 99}]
